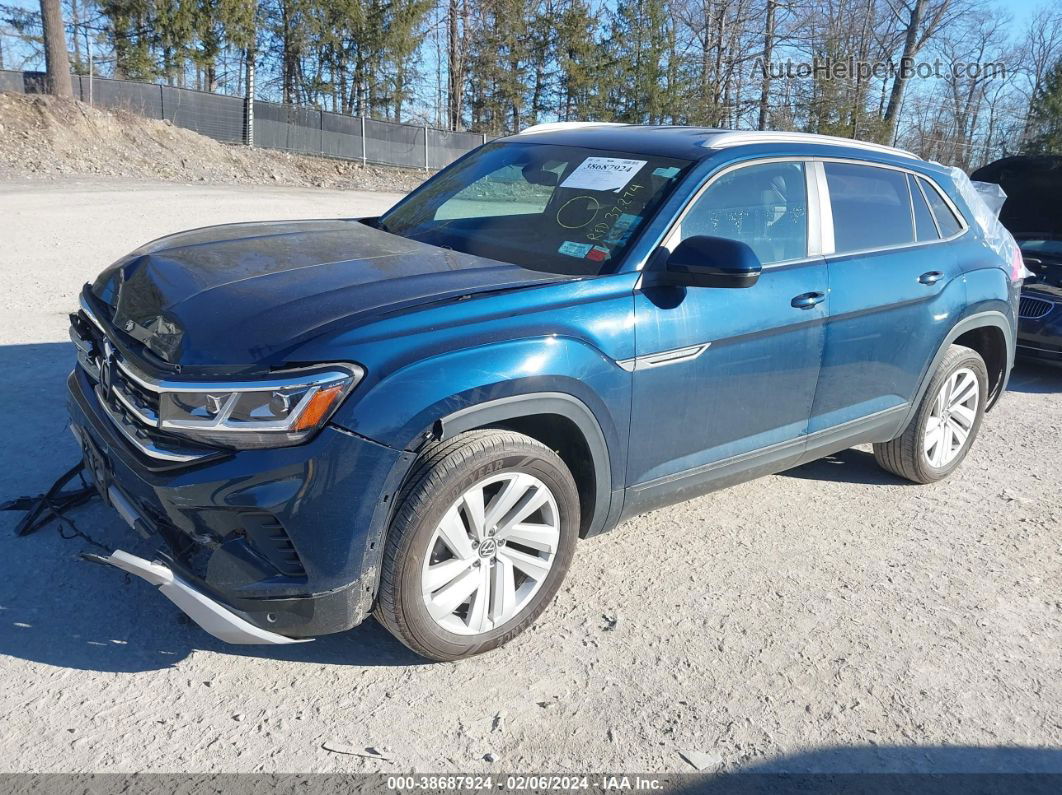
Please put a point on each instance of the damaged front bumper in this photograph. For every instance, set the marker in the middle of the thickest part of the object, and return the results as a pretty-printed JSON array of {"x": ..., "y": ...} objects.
[
  {"x": 212, "y": 616},
  {"x": 285, "y": 540}
]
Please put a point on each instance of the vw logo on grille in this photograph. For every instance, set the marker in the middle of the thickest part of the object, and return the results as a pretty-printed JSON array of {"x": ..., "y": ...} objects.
[{"x": 488, "y": 548}]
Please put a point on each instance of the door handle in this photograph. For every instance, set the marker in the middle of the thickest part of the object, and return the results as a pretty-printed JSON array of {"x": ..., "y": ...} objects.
[
  {"x": 932, "y": 277},
  {"x": 808, "y": 300}
]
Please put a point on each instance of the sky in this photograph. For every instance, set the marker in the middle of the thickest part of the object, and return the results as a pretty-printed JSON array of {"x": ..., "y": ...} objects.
[{"x": 1022, "y": 10}]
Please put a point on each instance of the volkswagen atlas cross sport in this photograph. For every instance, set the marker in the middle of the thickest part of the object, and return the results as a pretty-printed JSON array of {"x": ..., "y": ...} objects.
[{"x": 416, "y": 416}]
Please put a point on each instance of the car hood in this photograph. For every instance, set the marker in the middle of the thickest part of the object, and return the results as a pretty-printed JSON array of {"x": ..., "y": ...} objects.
[
  {"x": 1033, "y": 185},
  {"x": 244, "y": 295},
  {"x": 1047, "y": 292}
]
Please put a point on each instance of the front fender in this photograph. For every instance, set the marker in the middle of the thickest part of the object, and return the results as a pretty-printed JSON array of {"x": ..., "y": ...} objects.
[
  {"x": 547, "y": 403},
  {"x": 473, "y": 387}
]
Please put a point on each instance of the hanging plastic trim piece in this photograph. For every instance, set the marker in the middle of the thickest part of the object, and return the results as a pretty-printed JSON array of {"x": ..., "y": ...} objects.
[
  {"x": 985, "y": 204},
  {"x": 209, "y": 614}
]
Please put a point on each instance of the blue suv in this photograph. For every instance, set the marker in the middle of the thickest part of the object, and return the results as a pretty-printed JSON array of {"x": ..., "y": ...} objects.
[{"x": 418, "y": 415}]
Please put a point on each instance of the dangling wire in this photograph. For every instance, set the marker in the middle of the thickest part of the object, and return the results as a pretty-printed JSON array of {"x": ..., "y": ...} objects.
[{"x": 54, "y": 504}]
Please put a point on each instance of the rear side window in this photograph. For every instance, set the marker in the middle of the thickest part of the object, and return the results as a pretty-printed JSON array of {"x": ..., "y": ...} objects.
[
  {"x": 925, "y": 227},
  {"x": 946, "y": 220},
  {"x": 871, "y": 207}
]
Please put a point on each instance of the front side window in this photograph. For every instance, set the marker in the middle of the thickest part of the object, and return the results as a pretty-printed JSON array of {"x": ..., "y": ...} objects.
[
  {"x": 871, "y": 207},
  {"x": 764, "y": 205},
  {"x": 560, "y": 209}
]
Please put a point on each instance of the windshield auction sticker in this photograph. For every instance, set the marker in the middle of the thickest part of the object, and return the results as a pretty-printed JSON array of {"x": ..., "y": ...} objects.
[
  {"x": 579, "y": 250},
  {"x": 603, "y": 173}
]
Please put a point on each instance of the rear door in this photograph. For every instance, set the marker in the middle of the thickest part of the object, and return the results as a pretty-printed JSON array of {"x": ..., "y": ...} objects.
[{"x": 895, "y": 288}]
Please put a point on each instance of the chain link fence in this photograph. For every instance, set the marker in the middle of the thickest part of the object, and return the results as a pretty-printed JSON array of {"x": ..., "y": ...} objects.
[{"x": 272, "y": 125}]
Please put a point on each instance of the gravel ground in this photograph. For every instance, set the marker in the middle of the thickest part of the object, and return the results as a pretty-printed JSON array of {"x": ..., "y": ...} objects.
[{"x": 830, "y": 616}]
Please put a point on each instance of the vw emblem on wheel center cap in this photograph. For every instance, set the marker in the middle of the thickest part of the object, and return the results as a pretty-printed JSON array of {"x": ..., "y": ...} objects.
[{"x": 488, "y": 548}]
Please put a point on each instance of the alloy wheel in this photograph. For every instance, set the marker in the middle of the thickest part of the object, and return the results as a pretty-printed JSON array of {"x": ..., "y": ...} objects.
[
  {"x": 490, "y": 553},
  {"x": 952, "y": 418}
]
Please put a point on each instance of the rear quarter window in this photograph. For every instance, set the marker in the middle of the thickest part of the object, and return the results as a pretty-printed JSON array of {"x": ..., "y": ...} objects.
[
  {"x": 925, "y": 226},
  {"x": 946, "y": 220}
]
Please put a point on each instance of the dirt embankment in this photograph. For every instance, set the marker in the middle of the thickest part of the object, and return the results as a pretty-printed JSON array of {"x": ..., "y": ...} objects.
[{"x": 42, "y": 137}]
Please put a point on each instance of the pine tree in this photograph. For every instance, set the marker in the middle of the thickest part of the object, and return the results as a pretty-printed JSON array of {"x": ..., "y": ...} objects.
[
  {"x": 1046, "y": 116},
  {"x": 498, "y": 65},
  {"x": 638, "y": 45},
  {"x": 174, "y": 24},
  {"x": 131, "y": 29},
  {"x": 579, "y": 63}
]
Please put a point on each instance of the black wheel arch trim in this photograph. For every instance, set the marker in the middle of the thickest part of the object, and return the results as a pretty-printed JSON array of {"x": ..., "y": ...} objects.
[
  {"x": 526, "y": 405},
  {"x": 987, "y": 319}
]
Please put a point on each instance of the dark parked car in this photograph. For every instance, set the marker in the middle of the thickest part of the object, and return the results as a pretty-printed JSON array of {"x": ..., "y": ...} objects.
[
  {"x": 418, "y": 415},
  {"x": 1033, "y": 214}
]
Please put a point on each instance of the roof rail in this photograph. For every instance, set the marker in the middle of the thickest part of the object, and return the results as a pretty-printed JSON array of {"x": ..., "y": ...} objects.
[
  {"x": 567, "y": 125},
  {"x": 740, "y": 138}
]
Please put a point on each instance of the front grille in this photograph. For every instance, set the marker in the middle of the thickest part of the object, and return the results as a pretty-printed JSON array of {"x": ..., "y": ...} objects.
[
  {"x": 1030, "y": 308},
  {"x": 127, "y": 400},
  {"x": 140, "y": 401}
]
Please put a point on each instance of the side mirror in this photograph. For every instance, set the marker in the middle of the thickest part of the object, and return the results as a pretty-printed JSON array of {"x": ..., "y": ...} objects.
[{"x": 703, "y": 261}]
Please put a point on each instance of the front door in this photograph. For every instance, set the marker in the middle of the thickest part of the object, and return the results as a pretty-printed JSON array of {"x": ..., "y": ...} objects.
[{"x": 722, "y": 373}]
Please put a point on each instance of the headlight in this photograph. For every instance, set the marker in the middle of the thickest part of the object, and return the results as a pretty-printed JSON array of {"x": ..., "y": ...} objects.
[{"x": 273, "y": 413}]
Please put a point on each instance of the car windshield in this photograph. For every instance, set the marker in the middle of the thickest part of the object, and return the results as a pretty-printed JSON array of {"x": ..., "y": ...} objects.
[{"x": 560, "y": 209}]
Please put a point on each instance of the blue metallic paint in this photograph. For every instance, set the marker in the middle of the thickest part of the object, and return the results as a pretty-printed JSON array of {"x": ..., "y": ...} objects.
[
  {"x": 422, "y": 366},
  {"x": 752, "y": 388},
  {"x": 884, "y": 325}
]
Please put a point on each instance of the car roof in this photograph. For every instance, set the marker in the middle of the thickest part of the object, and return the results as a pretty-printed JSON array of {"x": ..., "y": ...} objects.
[{"x": 687, "y": 143}]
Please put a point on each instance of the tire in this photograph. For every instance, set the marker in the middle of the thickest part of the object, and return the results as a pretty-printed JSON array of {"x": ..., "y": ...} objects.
[
  {"x": 434, "y": 551},
  {"x": 921, "y": 454}
]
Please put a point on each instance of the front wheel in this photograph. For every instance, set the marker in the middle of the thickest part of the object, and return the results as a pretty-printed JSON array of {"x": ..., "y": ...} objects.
[
  {"x": 484, "y": 532},
  {"x": 942, "y": 431}
]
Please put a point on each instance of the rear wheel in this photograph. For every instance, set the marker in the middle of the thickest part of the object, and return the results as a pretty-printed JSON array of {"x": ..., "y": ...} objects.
[
  {"x": 943, "y": 429},
  {"x": 484, "y": 533}
]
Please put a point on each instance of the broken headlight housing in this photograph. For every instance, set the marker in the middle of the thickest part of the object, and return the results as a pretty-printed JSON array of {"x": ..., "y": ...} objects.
[{"x": 277, "y": 412}]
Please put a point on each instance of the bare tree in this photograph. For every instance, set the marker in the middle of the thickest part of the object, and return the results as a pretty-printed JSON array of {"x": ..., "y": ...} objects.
[
  {"x": 975, "y": 40},
  {"x": 921, "y": 21},
  {"x": 768, "y": 48},
  {"x": 56, "y": 58},
  {"x": 1042, "y": 48},
  {"x": 456, "y": 46}
]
